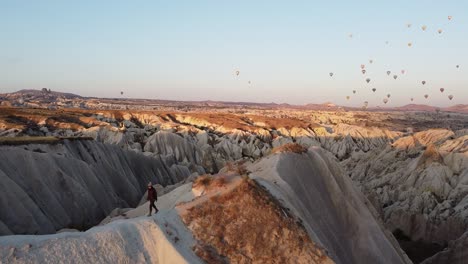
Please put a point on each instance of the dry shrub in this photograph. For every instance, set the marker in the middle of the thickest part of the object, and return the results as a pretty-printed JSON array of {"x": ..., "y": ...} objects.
[
  {"x": 290, "y": 148},
  {"x": 230, "y": 166},
  {"x": 219, "y": 181},
  {"x": 248, "y": 225},
  {"x": 203, "y": 180},
  {"x": 238, "y": 167},
  {"x": 241, "y": 169}
]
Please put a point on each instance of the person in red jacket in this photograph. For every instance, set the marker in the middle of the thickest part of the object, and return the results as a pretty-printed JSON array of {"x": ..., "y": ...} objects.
[{"x": 152, "y": 197}]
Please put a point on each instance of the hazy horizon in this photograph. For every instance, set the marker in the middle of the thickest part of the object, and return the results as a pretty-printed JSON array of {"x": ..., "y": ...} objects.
[{"x": 191, "y": 50}]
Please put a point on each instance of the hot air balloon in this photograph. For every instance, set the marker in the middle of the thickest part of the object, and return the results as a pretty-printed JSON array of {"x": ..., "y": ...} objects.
[
  {"x": 408, "y": 25},
  {"x": 368, "y": 80},
  {"x": 449, "y": 17},
  {"x": 363, "y": 71},
  {"x": 442, "y": 90},
  {"x": 458, "y": 66},
  {"x": 354, "y": 91},
  {"x": 423, "y": 82},
  {"x": 363, "y": 66},
  {"x": 410, "y": 44},
  {"x": 371, "y": 61},
  {"x": 385, "y": 100},
  {"x": 412, "y": 99},
  {"x": 331, "y": 74},
  {"x": 386, "y": 42},
  {"x": 249, "y": 82},
  {"x": 121, "y": 93},
  {"x": 388, "y": 95},
  {"x": 366, "y": 103},
  {"x": 424, "y": 27},
  {"x": 373, "y": 89},
  {"x": 347, "y": 97},
  {"x": 388, "y": 72},
  {"x": 403, "y": 71},
  {"x": 395, "y": 76},
  {"x": 439, "y": 31},
  {"x": 450, "y": 97},
  {"x": 350, "y": 35},
  {"x": 426, "y": 96}
]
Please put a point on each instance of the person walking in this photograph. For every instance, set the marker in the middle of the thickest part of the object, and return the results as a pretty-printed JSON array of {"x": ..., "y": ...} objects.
[{"x": 152, "y": 197}]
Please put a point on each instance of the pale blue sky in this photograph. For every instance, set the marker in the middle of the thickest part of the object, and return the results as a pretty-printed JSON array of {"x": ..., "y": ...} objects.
[{"x": 189, "y": 50}]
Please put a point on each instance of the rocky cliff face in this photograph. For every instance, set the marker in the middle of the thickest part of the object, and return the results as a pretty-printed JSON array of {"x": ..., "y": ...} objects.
[
  {"x": 46, "y": 187},
  {"x": 455, "y": 253},
  {"x": 419, "y": 183}
]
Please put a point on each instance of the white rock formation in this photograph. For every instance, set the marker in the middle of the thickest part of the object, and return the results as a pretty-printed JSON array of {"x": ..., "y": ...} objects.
[{"x": 74, "y": 184}]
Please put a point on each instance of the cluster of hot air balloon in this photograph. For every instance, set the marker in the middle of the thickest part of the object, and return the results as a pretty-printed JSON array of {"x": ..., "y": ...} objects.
[
  {"x": 237, "y": 73},
  {"x": 395, "y": 76}
]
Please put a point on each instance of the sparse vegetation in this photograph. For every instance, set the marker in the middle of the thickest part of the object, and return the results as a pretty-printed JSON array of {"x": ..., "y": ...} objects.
[
  {"x": 290, "y": 148},
  {"x": 248, "y": 225}
]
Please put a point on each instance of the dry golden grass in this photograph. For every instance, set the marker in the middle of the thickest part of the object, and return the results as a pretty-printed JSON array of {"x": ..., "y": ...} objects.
[
  {"x": 247, "y": 225},
  {"x": 290, "y": 148}
]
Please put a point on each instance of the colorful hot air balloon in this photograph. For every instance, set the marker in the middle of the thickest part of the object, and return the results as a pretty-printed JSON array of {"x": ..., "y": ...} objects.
[
  {"x": 424, "y": 27},
  {"x": 410, "y": 44},
  {"x": 423, "y": 82},
  {"x": 363, "y": 66},
  {"x": 403, "y": 71},
  {"x": 412, "y": 99},
  {"x": 373, "y": 89},
  {"x": 371, "y": 61},
  {"x": 426, "y": 96},
  {"x": 347, "y": 97},
  {"x": 395, "y": 76},
  {"x": 368, "y": 80},
  {"x": 363, "y": 71},
  {"x": 439, "y": 31},
  {"x": 237, "y": 73},
  {"x": 458, "y": 66},
  {"x": 408, "y": 25},
  {"x": 388, "y": 95},
  {"x": 442, "y": 90},
  {"x": 449, "y": 17},
  {"x": 388, "y": 72},
  {"x": 385, "y": 100},
  {"x": 354, "y": 91},
  {"x": 121, "y": 93},
  {"x": 450, "y": 97},
  {"x": 331, "y": 74}
]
